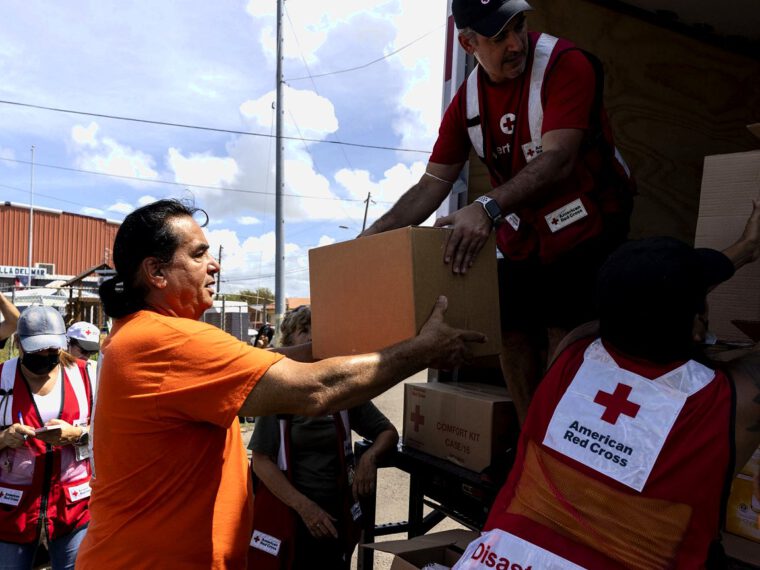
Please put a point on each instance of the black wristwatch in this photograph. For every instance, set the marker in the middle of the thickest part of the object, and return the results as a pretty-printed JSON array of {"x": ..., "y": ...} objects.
[{"x": 492, "y": 209}]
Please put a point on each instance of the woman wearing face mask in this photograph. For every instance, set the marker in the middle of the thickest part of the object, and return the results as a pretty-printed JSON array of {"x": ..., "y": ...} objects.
[{"x": 45, "y": 403}]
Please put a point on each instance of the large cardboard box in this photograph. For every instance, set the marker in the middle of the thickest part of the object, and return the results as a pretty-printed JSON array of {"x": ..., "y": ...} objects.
[
  {"x": 469, "y": 424},
  {"x": 375, "y": 291},
  {"x": 743, "y": 511},
  {"x": 729, "y": 184},
  {"x": 442, "y": 548}
]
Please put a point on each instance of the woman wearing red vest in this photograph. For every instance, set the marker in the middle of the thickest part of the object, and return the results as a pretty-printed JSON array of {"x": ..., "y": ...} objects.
[
  {"x": 45, "y": 402},
  {"x": 305, "y": 512}
]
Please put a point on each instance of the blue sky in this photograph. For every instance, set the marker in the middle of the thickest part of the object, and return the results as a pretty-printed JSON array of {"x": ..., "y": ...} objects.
[{"x": 212, "y": 64}]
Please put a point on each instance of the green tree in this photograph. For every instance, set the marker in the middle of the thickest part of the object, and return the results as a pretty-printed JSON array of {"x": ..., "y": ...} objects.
[{"x": 258, "y": 296}]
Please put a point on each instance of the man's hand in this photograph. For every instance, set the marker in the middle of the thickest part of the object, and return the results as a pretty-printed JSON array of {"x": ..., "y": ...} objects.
[
  {"x": 15, "y": 436},
  {"x": 448, "y": 346},
  {"x": 747, "y": 248},
  {"x": 471, "y": 226},
  {"x": 319, "y": 523},
  {"x": 365, "y": 476}
]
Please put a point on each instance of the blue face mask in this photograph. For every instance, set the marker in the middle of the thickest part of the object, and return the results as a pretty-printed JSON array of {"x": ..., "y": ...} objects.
[{"x": 38, "y": 363}]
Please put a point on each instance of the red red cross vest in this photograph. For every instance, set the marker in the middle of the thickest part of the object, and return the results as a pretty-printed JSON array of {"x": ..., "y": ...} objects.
[
  {"x": 274, "y": 523},
  {"x": 40, "y": 484},
  {"x": 600, "y": 185},
  {"x": 620, "y": 465}
]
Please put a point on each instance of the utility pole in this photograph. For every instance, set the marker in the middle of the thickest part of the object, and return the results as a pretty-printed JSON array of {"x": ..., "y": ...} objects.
[
  {"x": 279, "y": 250},
  {"x": 31, "y": 217},
  {"x": 366, "y": 207}
]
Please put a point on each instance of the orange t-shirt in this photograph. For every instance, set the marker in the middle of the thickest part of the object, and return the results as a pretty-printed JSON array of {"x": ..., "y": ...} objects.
[{"x": 172, "y": 486}]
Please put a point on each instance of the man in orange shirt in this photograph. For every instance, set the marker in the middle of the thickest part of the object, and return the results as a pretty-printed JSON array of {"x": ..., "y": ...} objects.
[{"x": 173, "y": 488}]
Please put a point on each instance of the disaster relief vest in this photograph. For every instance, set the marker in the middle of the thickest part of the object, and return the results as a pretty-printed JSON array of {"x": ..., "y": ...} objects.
[
  {"x": 43, "y": 487},
  {"x": 614, "y": 469},
  {"x": 577, "y": 208},
  {"x": 272, "y": 544}
]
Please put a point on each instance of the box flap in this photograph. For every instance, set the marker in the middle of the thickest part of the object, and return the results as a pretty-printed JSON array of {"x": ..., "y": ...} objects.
[{"x": 458, "y": 537}]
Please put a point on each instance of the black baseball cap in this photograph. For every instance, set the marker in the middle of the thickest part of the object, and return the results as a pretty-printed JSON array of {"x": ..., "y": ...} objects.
[
  {"x": 487, "y": 17},
  {"x": 649, "y": 290}
]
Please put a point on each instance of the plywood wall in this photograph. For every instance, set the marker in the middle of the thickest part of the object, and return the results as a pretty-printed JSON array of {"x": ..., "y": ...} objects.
[{"x": 672, "y": 100}]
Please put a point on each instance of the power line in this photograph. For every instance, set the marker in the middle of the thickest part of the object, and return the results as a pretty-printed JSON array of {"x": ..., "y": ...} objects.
[
  {"x": 368, "y": 63},
  {"x": 202, "y": 128},
  {"x": 183, "y": 184}
]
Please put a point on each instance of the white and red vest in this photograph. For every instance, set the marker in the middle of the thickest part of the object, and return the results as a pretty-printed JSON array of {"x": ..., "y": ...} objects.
[
  {"x": 274, "y": 523},
  {"x": 43, "y": 486},
  {"x": 574, "y": 212},
  {"x": 618, "y": 466}
]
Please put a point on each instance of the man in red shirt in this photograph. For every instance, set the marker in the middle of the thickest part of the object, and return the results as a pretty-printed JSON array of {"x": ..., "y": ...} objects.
[{"x": 561, "y": 196}]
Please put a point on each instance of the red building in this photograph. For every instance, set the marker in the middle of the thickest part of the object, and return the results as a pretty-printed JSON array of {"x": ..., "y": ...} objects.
[{"x": 64, "y": 244}]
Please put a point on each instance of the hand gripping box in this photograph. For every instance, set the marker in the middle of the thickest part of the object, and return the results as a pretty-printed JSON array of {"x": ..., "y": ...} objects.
[
  {"x": 375, "y": 291},
  {"x": 469, "y": 424},
  {"x": 440, "y": 548}
]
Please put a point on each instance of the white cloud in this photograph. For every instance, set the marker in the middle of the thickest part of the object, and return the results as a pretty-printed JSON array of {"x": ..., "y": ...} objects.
[
  {"x": 248, "y": 263},
  {"x": 89, "y": 211},
  {"x": 202, "y": 169},
  {"x": 248, "y": 221},
  {"x": 108, "y": 156},
  {"x": 326, "y": 240},
  {"x": 85, "y": 136},
  {"x": 9, "y": 154},
  {"x": 145, "y": 200},
  {"x": 121, "y": 208}
]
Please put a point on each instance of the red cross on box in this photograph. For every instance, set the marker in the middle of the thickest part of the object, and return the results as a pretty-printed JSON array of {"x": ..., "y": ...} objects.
[
  {"x": 617, "y": 403},
  {"x": 530, "y": 152},
  {"x": 417, "y": 418}
]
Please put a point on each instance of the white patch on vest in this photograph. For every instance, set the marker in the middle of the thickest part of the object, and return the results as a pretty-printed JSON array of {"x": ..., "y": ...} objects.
[
  {"x": 11, "y": 497},
  {"x": 615, "y": 421},
  {"x": 531, "y": 150},
  {"x": 499, "y": 549},
  {"x": 265, "y": 542},
  {"x": 79, "y": 492},
  {"x": 513, "y": 220},
  {"x": 566, "y": 215}
]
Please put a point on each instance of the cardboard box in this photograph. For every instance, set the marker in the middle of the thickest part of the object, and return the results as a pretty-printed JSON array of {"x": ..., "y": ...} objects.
[
  {"x": 743, "y": 509},
  {"x": 442, "y": 548},
  {"x": 468, "y": 424},
  {"x": 729, "y": 184},
  {"x": 372, "y": 292}
]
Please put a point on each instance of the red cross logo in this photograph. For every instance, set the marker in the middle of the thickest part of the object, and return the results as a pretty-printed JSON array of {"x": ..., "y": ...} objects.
[
  {"x": 417, "y": 418},
  {"x": 530, "y": 152},
  {"x": 555, "y": 221},
  {"x": 256, "y": 538},
  {"x": 75, "y": 493},
  {"x": 508, "y": 123},
  {"x": 2, "y": 494},
  {"x": 617, "y": 403},
  {"x": 88, "y": 332}
]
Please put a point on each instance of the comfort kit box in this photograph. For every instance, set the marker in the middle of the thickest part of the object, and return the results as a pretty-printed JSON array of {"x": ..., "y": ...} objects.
[
  {"x": 468, "y": 424},
  {"x": 729, "y": 184},
  {"x": 441, "y": 548},
  {"x": 372, "y": 292},
  {"x": 743, "y": 510}
]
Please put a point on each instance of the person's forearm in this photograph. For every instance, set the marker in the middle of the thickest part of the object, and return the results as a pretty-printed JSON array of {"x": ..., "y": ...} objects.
[
  {"x": 276, "y": 481},
  {"x": 413, "y": 208},
  {"x": 299, "y": 352},
  {"x": 10, "y": 317},
  {"x": 534, "y": 181},
  {"x": 384, "y": 443}
]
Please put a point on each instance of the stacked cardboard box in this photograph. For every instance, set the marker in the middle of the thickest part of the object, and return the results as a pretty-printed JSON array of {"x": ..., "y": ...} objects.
[
  {"x": 729, "y": 184},
  {"x": 743, "y": 512},
  {"x": 469, "y": 424}
]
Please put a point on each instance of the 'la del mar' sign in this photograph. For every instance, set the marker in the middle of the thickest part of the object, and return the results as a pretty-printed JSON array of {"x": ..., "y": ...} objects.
[{"x": 15, "y": 270}]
